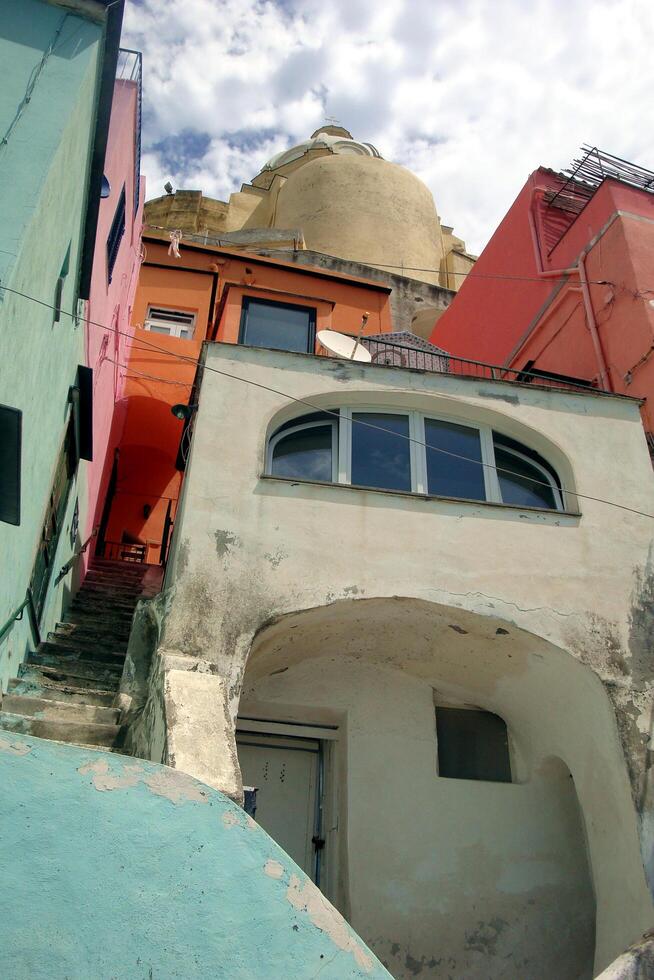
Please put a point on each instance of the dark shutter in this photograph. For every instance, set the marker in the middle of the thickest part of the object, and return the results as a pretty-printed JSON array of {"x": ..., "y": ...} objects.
[{"x": 10, "y": 454}]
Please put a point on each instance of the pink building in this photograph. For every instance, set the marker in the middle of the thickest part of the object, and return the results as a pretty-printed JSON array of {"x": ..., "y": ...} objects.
[{"x": 116, "y": 264}]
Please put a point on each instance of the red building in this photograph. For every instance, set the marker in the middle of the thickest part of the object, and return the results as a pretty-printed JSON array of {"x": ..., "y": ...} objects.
[{"x": 565, "y": 287}]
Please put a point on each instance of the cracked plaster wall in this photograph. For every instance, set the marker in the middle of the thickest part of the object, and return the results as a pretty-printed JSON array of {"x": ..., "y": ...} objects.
[{"x": 248, "y": 550}]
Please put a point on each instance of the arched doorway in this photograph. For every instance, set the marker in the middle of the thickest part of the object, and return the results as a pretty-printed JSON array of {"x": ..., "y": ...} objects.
[{"x": 446, "y": 875}]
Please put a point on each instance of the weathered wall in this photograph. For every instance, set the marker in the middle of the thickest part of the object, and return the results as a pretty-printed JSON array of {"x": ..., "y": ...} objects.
[
  {"x": 136, "y": 871},
  {"x": 488, "y": 873},
  {"x": 43, "y": 176},
  {"x": 248, "y": 550}
]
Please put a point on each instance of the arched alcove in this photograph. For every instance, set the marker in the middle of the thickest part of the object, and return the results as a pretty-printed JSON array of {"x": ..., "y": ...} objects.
[{"x": 457, "y": 876}]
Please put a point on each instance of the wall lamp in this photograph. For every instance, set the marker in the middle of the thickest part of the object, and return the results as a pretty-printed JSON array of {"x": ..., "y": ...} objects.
[{"x": 184, "y": 412}]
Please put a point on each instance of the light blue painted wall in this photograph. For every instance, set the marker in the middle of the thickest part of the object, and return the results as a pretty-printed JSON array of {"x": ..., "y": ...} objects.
[
  {"x": 43, "y": 179},
  {"x": 113, "y": 867}
]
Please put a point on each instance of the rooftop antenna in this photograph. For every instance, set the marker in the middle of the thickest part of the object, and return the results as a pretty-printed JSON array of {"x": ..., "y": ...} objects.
[{"x": 342, "y": 345}]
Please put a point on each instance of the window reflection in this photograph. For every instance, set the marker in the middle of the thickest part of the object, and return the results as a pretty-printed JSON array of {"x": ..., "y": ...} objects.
[
  {"x": 447, "y": 475},
  {"x": 381, "y": 459}
]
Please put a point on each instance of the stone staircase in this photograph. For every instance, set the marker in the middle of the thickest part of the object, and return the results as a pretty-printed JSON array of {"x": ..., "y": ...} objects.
[{"x": 65, "y": 690}]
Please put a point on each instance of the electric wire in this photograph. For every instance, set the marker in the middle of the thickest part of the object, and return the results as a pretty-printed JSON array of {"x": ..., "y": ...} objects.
[
  {"x": 408, "y": 268},
  {"x": 319, "y": 408}
]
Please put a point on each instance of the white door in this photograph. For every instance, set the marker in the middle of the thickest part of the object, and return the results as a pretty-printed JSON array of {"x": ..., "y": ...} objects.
[{"x": 286, "y": 773}]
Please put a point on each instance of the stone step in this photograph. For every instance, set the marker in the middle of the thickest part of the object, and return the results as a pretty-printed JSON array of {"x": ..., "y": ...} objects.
[
  {"x": 99, "y": 618},
  {"x": 86, "y": 733},
  {"x": 122, "y": 589},
  {"x": 71, "y": 651},
  {"x": 50, "y": 690},
  {"x": 98, "y": 601},
  {"x": 48, "y": 709},
  {"x": 75, "y": 632},
  {"x": 90, "y": 642},
  {"x": 75, "y": 673}
]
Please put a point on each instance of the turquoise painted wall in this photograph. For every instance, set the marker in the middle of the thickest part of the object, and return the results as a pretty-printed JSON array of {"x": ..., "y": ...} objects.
[
  {"x": 113, "y": 867},
  {"x": 43, "y": 179}
]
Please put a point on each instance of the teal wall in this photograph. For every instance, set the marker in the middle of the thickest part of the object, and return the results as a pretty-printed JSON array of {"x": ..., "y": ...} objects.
[
  {"x": 43, "y": 180},
  {"x": 113, "y": 867}
]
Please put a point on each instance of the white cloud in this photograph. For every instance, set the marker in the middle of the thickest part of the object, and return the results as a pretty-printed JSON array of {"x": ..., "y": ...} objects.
[{"x": 472, "y": 95}]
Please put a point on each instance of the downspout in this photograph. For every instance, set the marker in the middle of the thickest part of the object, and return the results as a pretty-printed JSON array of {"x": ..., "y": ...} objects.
[{"x": 578, "y": 270}]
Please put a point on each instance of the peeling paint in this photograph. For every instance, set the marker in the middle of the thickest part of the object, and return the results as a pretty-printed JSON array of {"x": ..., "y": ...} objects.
[
  {"x": 273, "y": 869},
  {"x": 14, "y": 748},
  {"x": 174, "y": 786},
  {"x": 276, "y": 558},
  {"x": 305, "y": 897}
]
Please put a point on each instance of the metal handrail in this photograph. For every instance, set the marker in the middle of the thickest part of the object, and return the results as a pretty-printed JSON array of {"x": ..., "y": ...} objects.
[
  {"x": 434, "y": 361},
  {"x": 17, "y": 615},
  {"x": 73, "y": 558}
]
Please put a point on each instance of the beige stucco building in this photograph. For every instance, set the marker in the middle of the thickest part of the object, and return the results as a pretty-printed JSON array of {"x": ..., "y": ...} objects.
[
  {"x": 334, "y": 196},
  {"x": 454, "y": 693}
]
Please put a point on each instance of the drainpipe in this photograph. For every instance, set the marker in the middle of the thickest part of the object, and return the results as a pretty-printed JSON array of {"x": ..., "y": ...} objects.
[
  {"x": 579, "y": 270},
  {"x": 592, "y": 322}
]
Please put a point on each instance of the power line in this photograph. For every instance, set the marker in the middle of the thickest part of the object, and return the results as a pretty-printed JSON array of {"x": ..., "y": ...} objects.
[
  {"x": 400, "y": 265},
  {"x": 319, "y": 408}
]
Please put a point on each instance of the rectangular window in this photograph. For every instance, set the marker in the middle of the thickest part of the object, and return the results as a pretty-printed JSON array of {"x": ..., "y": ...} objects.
[
  {"x": 175, "y": 323},
  {"x": 11, "y": 422},
  {"x": 381, "y": 459},
  {"x": 278, "y": 326},
  {"x": 472, "y": 745},
  {"x": 447, "y": 474},
  {"x": 116, "y": 233}
]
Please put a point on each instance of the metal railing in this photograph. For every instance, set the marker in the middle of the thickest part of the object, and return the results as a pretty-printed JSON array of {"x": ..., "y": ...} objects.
[
  {"x": 122, "y": 551},
  {"x": 402, "y": 355},
  {"x": 77, "y": 554},
  {"x": 17, "y": 615}
]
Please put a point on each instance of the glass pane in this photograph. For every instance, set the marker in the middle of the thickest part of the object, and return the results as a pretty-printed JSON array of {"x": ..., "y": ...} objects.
[
  {"x": 381, "y": 459},
  {"x": 306, "y": 454},
  {"x": 274, "y": 325},
  {"x": 448, "y": 476},
  {"x": 518, "y": 486},
  {"x": 155, "y": 329}
]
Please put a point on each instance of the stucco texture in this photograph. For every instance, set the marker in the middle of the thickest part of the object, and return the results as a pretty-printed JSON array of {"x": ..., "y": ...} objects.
[
  {"x": 43, "y": 179},
  {"x": 114, "y": 867},
  {"x": 432, "y": 589}
]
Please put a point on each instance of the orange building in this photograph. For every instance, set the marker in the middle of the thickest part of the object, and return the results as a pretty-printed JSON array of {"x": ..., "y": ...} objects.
[{"x": 214, "y": 294}]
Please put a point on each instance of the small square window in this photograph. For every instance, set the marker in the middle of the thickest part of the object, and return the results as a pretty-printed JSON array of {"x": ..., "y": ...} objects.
[
  {"x": 472, "y": 745},
  {"x": 174, "y": 323},
  {"x": 279, "y": 326}
]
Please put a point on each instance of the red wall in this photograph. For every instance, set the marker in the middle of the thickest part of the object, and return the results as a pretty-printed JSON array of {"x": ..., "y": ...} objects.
[{"x": 506, "y": 313}]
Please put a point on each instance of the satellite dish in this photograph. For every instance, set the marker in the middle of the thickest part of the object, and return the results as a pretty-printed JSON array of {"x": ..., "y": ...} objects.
[{"x": 341, "y": 345}]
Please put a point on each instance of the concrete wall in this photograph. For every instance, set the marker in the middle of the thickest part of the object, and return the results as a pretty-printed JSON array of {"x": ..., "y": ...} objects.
[
  {"x": 573, "y": 587},
  {"x": 43, "y": 178},
  {"x": 135, "y": 871}
]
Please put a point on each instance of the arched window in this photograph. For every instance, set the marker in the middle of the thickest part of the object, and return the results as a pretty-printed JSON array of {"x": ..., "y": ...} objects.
[{"x": 386, "y": 449}]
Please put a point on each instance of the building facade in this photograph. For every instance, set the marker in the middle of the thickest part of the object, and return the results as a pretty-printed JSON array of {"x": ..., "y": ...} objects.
[
  {"x": 403, "y": 604},
  {"x": 59, "y": 66},
  {"x": 564, "y": 287}
]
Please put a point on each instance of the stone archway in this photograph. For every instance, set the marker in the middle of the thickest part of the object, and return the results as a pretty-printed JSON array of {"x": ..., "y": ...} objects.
[{"x": 452, "y": 876}]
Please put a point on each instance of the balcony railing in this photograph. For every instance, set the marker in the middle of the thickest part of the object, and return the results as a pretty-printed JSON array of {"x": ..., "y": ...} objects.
[{"x": 432, "y": 360}]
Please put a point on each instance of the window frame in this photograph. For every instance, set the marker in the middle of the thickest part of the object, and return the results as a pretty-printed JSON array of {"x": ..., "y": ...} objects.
[
  {"x": 175, "y": 329},
  {"x": 311, "y": 310},
  {"x": 278, "y": 436},
  {"x": 342, "y": 427}
]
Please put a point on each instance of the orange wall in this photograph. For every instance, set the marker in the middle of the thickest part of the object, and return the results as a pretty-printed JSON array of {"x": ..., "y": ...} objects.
[{"x": 157, "y": 379}]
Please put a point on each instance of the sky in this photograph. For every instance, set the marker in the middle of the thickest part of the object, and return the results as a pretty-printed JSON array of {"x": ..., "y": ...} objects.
[{"x": 471, "y": 95}]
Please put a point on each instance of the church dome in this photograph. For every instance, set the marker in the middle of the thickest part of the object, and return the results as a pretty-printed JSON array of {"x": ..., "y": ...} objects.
[{"x": 334, "y": 139}]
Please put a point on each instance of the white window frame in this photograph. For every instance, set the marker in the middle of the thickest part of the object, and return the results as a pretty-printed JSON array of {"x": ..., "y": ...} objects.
[
  {"x": 342, "y": 459},
  {"x": 333, "y": 423},
  {"x": 556, "y": 492},
  {"x": 172, "y": 328}
]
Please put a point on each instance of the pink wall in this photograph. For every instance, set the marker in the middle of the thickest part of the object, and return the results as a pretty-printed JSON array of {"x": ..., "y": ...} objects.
[
  {"x": 110, "y": 303},
  {"x": 526, "y": 317}
]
